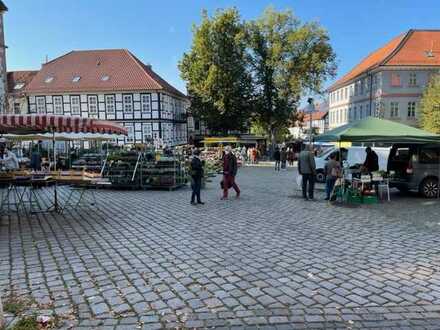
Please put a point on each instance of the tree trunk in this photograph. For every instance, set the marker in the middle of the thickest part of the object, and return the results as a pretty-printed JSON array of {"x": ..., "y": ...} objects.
[{"x": 273, "y": 141}]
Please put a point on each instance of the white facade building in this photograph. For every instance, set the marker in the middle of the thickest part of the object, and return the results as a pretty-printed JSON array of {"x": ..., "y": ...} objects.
[
  {"x": 111, "y": 85},
  {"x": 389, "y": 82}
]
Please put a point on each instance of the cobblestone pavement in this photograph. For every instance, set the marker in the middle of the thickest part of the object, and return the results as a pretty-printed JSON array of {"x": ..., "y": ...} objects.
[{"x": 150, "y": 260}]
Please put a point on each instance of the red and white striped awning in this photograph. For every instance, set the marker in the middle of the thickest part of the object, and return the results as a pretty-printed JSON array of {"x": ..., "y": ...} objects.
[{"x": 31, "y": 124}]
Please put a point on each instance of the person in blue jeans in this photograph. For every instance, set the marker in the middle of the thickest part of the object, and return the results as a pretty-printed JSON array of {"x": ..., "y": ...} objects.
[{"x": 332, "y": 172}]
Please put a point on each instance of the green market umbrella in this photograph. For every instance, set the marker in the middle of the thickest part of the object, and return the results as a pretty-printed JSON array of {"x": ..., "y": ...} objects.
[{"x": 378, "y": 130}]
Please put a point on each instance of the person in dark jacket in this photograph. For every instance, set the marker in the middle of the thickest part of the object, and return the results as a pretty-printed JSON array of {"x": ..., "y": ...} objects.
[
  {"x": 283, "y": 158},
  {"x": 229, "y": 173},
  {"x": 35, "y": 163},
  {"x": 307, "y": 168},
  {"x": 277, "y": 157},
  {"x": 371, "y": 163},
  {"x": 196, "y": 176}
]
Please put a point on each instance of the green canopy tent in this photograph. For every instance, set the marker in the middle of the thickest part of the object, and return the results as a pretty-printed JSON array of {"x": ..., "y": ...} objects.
[{"x": 380, "y": 130}]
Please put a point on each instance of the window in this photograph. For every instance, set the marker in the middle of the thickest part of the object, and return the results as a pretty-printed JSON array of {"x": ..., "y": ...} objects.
[
  {"x": 196, "y": 124},
  {"x": 351, "y": 90},
  {"x": 58, "y": 105},
  {"x": 41, "y": 104},
  {"x": 412, "y": 79},
  {"x": 356, "y": 89},
  {"x": 110, "y": 103},
  {"x": 147, "y": 132},
  {"x": 18, "y": 86},
  {"x": 429, "y": 156},
  {"x": 411, "y": 109},
  {"x": 128, "y": 103},
  {"x": 130, "y": 136},
  {"x": 75, "y": 106},
  {"x": 361, "y": 87},
  {"x": 93, "y": 104},
  {"x": 145, "y": 103},
  {"x": 361, "y": 112},
  {"x": 17, "y": 108},
  {"x": 394, "y": 109},
  {"x": 355, "y": 113},
  {"x": 76, "y": 79},
  {"x": 395, "y": 80},
  {"x": 105, "y": 78},
  {"x": 48, "y": 79},
  {"x": 350, "y": 115}
]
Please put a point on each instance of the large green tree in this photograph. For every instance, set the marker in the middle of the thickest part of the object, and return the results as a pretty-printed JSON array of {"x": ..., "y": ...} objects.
[
  {"x": 287, "y": 59},
  {"x": 430, "y": 106},
  {"x": 215, "y": 69}
]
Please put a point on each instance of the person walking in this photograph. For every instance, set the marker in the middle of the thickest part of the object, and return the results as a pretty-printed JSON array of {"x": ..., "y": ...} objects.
[
  {"x": 307, "y": 168},
  {"x": 254, "y": 155},
  {"x": 283, "y": 158},
  {"x": 332, "y": 173},
  {"x": 196, "y": 176},
  {"x": 290, "y": 156},
  {"x": 229, "y": 172},
  {"x": 277, "y": 158},
  {"x": 243, "y": 155}
]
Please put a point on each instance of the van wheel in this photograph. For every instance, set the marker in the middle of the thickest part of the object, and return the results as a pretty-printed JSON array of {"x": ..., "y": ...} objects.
[
  {"x": 429, "y": 188},
  {"x": 320, "y": 177}
]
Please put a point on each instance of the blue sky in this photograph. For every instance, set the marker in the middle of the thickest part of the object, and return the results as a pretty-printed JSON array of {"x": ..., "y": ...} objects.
[{"x": 158, "y": 32}]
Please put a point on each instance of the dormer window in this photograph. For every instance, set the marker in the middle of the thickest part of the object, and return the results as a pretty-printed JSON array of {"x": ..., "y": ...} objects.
[
  {"x": 429, "y": 53},
  {"x": 18, "y": 86},
  {"x": 48, "y": 79},
  {"x": 76, "y": 79},
  {"x": 105, "y": 78}
]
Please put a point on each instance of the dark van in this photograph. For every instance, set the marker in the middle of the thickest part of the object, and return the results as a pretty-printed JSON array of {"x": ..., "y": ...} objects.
[{"x": 415, "y": 167}]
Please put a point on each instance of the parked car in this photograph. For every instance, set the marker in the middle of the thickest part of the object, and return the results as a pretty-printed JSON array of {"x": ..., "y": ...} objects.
[
  {"x": 415, "y": 167},
  {"x": 351, "y": 156}
]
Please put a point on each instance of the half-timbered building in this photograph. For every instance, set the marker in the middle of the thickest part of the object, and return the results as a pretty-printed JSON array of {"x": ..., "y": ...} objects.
[{"x": 112, "y": 85}]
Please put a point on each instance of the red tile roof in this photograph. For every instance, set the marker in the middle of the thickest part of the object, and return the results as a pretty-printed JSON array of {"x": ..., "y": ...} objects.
[
  {"x": 317, "y": 115},
  {"x": 410, "y": 48},
  {"x": 2, "y": 6},
  {"x": 125, "y": 72},
  {"x": 19, "y": 77}
]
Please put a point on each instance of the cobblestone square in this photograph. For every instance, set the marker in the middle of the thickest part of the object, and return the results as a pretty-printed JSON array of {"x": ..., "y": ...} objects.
[{"x": 150, "y": 260}]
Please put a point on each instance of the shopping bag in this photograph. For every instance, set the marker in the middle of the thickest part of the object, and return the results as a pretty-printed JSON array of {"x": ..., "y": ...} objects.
[{"x": 299, "y": 181}]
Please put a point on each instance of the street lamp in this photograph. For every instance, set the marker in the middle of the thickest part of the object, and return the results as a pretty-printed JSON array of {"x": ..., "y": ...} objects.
[{"x": 310, "y": 110}]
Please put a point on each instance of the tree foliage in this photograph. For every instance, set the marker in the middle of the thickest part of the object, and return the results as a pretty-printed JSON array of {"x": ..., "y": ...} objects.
[
  {"x": 215, "y": 69},
  {"x": 239, "y": 71},
  {"x": 288, "y": 59},
  {"x": 430, "y": 107}
]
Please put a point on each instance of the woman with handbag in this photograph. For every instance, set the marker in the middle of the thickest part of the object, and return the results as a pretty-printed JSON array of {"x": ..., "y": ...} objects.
[{"x": 332, "y": 172}]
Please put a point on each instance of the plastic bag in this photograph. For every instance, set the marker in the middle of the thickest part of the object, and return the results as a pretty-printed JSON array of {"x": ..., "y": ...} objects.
[{"x": 299, "y": 180}]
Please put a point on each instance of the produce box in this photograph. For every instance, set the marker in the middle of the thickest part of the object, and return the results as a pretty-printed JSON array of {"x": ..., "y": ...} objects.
[{"x": 369, "y": 200}]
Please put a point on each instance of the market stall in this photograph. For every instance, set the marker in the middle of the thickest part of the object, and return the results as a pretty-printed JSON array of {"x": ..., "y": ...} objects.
[
  {"x": 145, "y": 169},
  {"x": 358, "y": 187},
  {"x": 24, "y": 125}
]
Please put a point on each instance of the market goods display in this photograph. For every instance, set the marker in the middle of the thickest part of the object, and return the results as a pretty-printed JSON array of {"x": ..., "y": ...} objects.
[{"x": 144, "y": 170}]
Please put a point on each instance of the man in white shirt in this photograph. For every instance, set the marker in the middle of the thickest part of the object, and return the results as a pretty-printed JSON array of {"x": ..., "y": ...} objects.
[{"x": 8, "y": 160}]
